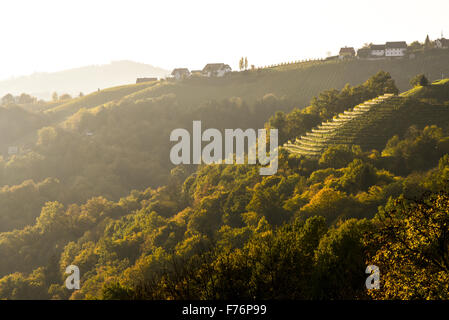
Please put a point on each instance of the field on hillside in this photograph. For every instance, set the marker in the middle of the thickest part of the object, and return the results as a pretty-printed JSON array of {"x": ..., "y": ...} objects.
[
  {"x": 296, "y": 82},
  {"x": 96, "y": 99},
  {"x": 299, "y": 82}
]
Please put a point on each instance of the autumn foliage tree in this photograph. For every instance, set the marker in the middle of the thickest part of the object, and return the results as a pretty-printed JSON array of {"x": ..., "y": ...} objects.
[{"x": 412, "y": 241}]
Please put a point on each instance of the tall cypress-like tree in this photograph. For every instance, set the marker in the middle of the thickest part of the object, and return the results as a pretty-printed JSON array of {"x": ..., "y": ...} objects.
[
  {"x": 241, "y": 64},
  {"x": 427, "y": 42}
]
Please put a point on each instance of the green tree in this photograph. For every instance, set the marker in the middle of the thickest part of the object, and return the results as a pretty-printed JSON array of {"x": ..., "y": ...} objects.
[
  {"x": 25, "y": 98},
  {"x": 340, "y": 262},
  {"x": 427, "y": 43},
  {"x": 7, "y": 99},
  {"x": 419, "y": 80},
  {"x": 337, "y": 156},
  {"x": 415, "y": 45},
  {"x": 65, "y": 96},
  {"x": 241, "y": 63},
  {"x": 412, "y": 241}
]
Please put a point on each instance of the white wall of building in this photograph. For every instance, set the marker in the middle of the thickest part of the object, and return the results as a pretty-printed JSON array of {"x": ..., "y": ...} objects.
[
  {"x": 378, "y": 52},
  {"x": 395, "y": 52}
]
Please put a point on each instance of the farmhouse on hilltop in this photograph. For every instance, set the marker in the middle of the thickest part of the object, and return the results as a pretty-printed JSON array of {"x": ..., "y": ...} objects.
[
  {"x": 442, "y": 43},
  {"x": 216, "y": 69},
  {"x": 381, "y": 51},
  {"x": 346, "y": 52},
  {"x": 395, "y": 49},
  {"x": 377, "y": 50},
  {"x": 180, "y": 73}
]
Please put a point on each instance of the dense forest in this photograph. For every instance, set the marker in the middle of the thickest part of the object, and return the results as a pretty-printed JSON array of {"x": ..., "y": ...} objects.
[{"x": 92, "y": 186}]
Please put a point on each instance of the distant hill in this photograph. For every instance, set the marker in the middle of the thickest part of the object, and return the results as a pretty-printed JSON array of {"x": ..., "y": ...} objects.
[
  {"x": 85, "y": 79},
  {"x": 98, "y": 98}
]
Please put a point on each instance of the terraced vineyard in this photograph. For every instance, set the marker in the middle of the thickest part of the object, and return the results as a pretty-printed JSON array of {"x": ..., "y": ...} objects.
[{"x": 369, "y": 124}]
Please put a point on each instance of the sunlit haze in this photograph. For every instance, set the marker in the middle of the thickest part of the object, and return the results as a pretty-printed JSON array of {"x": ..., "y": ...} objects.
[{"x": 50, "y": 35}]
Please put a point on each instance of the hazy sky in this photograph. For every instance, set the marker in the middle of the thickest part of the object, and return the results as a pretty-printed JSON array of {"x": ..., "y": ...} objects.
[{"x": 52, "y": 35}]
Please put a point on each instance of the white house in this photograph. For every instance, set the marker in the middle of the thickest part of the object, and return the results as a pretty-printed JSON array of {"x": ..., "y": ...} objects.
[
  {"x": 442, "y": 43},
  {"x": 377, "y": 50},
  {"x": 395, "y": 49},
  {"x": 180, "y": 73},
  {"x": 216, "y": 69},
  {"x": 346, "y": 52}
]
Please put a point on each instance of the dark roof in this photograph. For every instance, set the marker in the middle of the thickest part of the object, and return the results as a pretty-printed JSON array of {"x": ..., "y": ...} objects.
[
  {"x": 396, "y": 45},
  {"x": 377, "y": 47},
  {"x": 180, "y": 70},
  {"x": 347, "y": 50},
  {"x": 215, "y": 67}
]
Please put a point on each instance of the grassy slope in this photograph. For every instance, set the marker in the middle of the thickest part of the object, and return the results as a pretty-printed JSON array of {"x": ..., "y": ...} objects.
[
  {"x": 56, "y": 112},
  {"x": 300, "y": 82},
  {"x": 438, "y": 90},
  {"x": 97, "y": 98}
]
